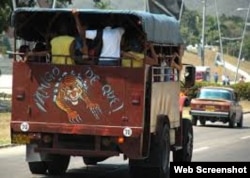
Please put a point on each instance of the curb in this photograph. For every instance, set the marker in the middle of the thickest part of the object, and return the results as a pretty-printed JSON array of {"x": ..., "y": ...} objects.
[{"x": 7, "y": 145}]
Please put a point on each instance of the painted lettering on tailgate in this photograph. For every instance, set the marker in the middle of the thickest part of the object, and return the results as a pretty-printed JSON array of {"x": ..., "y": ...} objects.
[{"x": 70, "y": 89}]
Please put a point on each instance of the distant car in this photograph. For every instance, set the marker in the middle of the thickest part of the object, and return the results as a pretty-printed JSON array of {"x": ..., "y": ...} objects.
[{"x": 216, "y": 104}]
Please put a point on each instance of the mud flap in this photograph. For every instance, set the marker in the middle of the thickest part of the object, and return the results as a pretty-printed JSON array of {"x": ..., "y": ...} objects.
[{"x": 32, "y": 156}]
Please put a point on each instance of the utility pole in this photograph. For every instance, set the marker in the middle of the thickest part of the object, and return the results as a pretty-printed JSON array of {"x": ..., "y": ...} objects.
[
  {"x": 14, "y": 4},
  {"x": 203, "y": 33},
  {"x": 181, "y": 11},
  {"x": 241, "y": 44},
  {"x": 221, "y": 46}
]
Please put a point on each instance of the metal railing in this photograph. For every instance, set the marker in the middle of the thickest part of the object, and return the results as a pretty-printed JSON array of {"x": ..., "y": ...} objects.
[{"x": 164, "y": 74}]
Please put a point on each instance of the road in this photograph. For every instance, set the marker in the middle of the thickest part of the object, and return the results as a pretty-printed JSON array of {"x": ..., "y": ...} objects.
[
  {"x": 213, "y": 142},
  {"x": 6, "y": 77},
  {"x": 218, "y": 142},
  {"x": 233, "y": 68}
]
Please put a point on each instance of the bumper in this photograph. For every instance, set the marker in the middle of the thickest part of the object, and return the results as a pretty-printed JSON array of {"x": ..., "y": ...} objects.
[{"x": 209, "y": 114}]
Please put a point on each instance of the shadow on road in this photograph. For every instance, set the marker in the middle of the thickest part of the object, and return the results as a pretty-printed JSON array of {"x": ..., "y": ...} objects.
[
  {"x": 222, "y": 126},
  {"x": 98, "y": 171}
]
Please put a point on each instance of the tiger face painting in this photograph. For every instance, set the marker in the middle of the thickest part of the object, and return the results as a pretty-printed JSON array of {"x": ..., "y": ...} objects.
[{"x": 70, "y": 90}]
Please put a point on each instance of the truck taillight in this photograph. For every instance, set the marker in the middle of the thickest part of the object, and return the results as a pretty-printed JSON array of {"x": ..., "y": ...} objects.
[{"x": 120, "y": 140}]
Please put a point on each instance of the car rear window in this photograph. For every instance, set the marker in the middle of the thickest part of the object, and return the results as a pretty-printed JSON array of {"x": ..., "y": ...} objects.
[{"x": 214, "y": 94}]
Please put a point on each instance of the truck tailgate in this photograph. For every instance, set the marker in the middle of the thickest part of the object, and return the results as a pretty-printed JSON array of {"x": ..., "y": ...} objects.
[{"x": 81, "y": 100}]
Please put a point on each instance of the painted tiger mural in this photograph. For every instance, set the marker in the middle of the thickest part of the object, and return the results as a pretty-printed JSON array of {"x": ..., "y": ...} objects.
[{"x": 70, "y": 90}]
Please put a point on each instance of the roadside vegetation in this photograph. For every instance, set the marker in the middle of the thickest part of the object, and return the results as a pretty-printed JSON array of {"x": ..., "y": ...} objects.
[
  {"x": 5, "y": 128},
  {"x": 5, "y": 112}
]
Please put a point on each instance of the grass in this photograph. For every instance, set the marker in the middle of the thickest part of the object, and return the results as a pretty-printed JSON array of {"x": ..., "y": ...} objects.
[{"x": 5, "y": 128}]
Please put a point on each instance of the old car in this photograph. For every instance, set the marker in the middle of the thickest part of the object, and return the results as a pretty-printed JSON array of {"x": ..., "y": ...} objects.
[{"x": 216, "y": 104}]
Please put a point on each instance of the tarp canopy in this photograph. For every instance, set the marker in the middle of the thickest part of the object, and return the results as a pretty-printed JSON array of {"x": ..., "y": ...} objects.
[
  {"x": 35, "y": 24},
  {"x": 171, "y": 7}
]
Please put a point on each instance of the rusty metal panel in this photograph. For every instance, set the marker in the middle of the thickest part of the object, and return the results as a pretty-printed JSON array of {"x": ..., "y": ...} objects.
[
  {"x": 165, "y": 101},
  {"x": 62, "y": 97}
]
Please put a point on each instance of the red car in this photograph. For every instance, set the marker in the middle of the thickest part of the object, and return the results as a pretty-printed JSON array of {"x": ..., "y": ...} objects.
[{"x": 217, "y": 104}]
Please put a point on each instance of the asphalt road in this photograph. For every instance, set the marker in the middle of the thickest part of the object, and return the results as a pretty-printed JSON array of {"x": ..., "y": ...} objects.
[
  {"x": 213, "y": 142},
  {"x": 6, "y": 75}
]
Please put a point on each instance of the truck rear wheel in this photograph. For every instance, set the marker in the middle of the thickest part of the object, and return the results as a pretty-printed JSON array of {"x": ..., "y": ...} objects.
[
  {"x": 185, "y": 154},
  {"x": 164, "y": 152},
  {"x": 38, "y": 167},
  {"x": 58, "y": 165},
  {"x": 157, "y": 164}
]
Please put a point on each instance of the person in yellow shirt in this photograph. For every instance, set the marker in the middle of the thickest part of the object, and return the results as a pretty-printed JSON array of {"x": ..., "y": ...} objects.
[
  {"x": 136, "y": 57},
  {"x": 62, "y": 47},
  {"x": 62, "y": 50}
]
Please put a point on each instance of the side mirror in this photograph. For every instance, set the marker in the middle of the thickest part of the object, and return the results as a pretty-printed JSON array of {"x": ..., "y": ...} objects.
[{"x": 189, "y": 76}]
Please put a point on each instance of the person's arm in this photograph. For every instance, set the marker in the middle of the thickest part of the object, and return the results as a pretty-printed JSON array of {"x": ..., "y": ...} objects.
[
  {"x": 81, "y": 30},
  {"x": 174, "y": 64},
  {"x": 153, "y": 53},
  {"x": 29, "y": 54},
  {"x": 150, "y": 60},
  {"x": 129, "y": 55}
]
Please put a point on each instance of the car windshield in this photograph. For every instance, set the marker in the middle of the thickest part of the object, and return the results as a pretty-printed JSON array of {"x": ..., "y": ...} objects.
[{"x": 214, "y": 94}]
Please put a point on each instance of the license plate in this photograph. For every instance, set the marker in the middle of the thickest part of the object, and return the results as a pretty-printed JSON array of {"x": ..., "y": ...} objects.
[
  {"x": 20, "y": 139},
  {"x": 209, "y": 108}
]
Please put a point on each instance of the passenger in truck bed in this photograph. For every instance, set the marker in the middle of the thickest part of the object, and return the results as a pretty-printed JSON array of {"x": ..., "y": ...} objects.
[
  {"x": 23, "y": 52},
  {"x": 28, "y": 55},
  {"x": 40, "y": 47},
  {"x": 111, "y": 40},
  {"x": 62, "y": 47},
  {"x": 133, "y": 52}
]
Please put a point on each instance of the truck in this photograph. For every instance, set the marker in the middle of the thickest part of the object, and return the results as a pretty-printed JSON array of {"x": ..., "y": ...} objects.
[
  {"x": 94, "y": 111},
  {"x": 203, "y": 73}
]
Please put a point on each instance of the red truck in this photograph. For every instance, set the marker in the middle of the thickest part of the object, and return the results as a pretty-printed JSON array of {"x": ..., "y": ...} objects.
[{"x": 94, "y": 111}]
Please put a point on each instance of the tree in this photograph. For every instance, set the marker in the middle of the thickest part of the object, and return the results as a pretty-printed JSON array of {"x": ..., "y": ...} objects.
[
  {"x": 6, "y": 8},
  {"x": 5, "y": 11},
  {"x": 102, "y": 4},
  {"x": 190, "y": 26}
]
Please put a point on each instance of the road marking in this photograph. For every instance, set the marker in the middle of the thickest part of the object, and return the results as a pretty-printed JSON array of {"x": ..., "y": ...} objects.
[
  {"x": 201, "y": 149},
  {"x": 246, "y": 137}
]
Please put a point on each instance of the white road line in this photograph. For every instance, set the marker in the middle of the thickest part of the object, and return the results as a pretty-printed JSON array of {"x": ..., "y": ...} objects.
[
  {"x": 246, "y": 137},
  {"x": 200, "y": 149}
]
